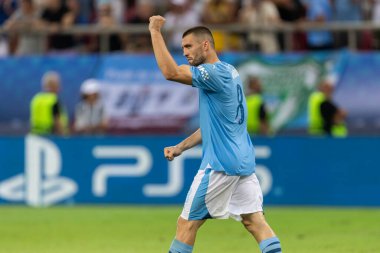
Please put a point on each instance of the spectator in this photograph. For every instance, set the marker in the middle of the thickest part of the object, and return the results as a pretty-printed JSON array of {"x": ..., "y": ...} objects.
[
  {"x": 140, "y": 42},
  {"x": 86, "y": 11},
  {"x": 143, "y": 10},
  {"x": 47, "y": 115},
  {"x": 56, "y": 16},
  {"x": 24, "y": 18},
  {"x": 40, "y": 4},
  {"x": 325, "y": 118},
  {"x": 292, "y": 11},
  {"x": 107, "y": 20},
  {"x": 89, "y": 113},
  {"x": 218, "y": 12},
  {"x": 319, "y": 12},
  {"x": 375, "y": 17},
  {"x": 351, "y": 10},
  {"x": 257, "y": 120},
  {"x": 181, "y": 15},
  {"x": 348, "y": 10},
  {"x": 376, "y": 12},
  {"x": 73, "y": 15},
  {"x": 261, "y": 13},
  {"x": 118, "y": 9},
  {"x": 7, "y": 7}
]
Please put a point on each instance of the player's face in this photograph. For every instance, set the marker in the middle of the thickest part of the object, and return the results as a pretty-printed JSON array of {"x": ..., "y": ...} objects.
[{"x": 193, "y": 50}]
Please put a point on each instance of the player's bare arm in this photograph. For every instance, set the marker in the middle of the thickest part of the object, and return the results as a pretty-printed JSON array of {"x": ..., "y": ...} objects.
[
  {"x": 188, "y": 143},
  {"x": 165, "y": 61}
]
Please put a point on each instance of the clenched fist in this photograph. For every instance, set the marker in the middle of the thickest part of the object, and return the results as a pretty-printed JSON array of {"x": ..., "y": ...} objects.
[
  {"x": 155, "y": 23},
  {"x": 171, "y": 152}
]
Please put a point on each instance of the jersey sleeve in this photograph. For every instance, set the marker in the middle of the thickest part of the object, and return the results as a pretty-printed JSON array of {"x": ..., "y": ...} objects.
[{"x": 205, "y": 77}]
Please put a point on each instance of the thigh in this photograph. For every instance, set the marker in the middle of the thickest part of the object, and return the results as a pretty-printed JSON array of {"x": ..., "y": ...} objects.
[
  {"x": 209, "y": 195},
  {"x": 247, "y": 197}
]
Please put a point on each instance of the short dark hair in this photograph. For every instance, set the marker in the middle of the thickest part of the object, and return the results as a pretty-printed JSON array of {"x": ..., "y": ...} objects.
[{"x": 200, "y": 31}]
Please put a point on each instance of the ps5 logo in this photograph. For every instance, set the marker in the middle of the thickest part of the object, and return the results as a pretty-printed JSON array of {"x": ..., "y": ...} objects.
[
  {"x": 144, "y": 162},
  {"x": 262, "y": 172},
  {"x": 41, "y": 185},
  {"x": 143, "y": 166}
]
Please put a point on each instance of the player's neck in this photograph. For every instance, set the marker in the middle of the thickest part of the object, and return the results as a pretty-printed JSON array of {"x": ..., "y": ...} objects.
[{"x": 212, "y": 58}]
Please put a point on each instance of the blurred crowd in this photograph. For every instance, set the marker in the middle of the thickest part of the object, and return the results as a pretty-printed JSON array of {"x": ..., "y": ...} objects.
[
  {"x": 48, "y": 115},
  {"x": 57, "y": 15}
]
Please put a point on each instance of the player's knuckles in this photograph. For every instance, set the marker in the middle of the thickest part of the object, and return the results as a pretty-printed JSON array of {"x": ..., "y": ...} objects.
[{"x": 168, "y": 152}]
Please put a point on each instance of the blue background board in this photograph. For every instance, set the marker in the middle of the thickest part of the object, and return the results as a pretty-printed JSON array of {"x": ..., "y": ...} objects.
[
  {"x": 304, "y": 171},
  {"x": 323, "y": 171},
  {"x": 358, "y": 89},
  {"x": 12, "y": 156},
  {"x": 120, "y": 189}
]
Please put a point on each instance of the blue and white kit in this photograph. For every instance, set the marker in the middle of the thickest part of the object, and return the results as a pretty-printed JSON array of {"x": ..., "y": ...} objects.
[{"x": 226, "y": 184}]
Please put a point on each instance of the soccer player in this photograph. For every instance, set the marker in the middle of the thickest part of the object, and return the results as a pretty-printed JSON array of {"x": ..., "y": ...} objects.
[{"x": 225, "y": 185}]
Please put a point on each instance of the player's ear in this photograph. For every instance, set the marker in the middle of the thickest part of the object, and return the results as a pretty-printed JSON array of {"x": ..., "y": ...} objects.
[{"x": 206, "y": 45}]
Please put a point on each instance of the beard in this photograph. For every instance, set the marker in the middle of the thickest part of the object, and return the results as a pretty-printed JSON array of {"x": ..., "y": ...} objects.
[{"x": 198, "y": 60}]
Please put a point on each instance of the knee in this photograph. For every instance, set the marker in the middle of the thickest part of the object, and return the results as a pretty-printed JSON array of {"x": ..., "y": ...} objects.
[
  {"x": 249, "y": 225},
  {"x": 185, "y": 225},
  {"x": 254, "y": 223}
]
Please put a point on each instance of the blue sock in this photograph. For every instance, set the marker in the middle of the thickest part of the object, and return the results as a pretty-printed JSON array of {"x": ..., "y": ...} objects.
[
  {"x": 180, "y": 247},
  {"x": 270, "y": 245}
]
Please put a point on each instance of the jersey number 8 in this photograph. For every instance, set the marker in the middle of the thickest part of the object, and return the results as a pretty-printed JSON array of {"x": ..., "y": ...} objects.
[{"x": 240, "y": 109}]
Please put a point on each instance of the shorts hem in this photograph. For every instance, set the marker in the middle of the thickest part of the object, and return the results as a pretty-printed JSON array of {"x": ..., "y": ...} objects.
[{"x": 237, "y": 216}]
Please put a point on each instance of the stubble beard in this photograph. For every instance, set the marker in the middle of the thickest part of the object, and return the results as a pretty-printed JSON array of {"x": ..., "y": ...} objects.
[{"x": 198, "y": 61}]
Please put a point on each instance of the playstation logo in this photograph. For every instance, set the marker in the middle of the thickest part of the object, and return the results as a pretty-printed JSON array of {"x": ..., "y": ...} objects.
[{"x": 41, "y": 185}]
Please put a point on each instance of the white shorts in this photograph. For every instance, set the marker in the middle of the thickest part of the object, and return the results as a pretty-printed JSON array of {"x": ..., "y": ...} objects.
[{"x": 216, "y": 195}]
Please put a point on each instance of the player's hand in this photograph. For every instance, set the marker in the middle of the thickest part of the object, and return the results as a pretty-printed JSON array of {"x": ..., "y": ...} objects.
[
  {"x": 171, "y": 152},
  {"x": 155, "y": 23}
]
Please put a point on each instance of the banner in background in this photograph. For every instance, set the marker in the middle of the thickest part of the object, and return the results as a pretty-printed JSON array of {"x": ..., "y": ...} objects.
[
  {"x": 287, "y": 78},
  {"x": 286, "y": 87},
  {"x": 149, "y": 108},
  {"x": 138, "y": 99},
  {"x": 292, "y": 171}
]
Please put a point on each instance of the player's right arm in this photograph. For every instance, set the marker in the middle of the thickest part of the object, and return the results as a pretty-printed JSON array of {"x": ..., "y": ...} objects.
[
  {"x": 189, "y": 142},
  {"x": 165, "y": 61}
]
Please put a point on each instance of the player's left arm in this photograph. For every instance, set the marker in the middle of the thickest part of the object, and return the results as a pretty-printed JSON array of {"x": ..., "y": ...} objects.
[
  {"x": 165, "y": 61},
  {"x": 171, "y": 152}
]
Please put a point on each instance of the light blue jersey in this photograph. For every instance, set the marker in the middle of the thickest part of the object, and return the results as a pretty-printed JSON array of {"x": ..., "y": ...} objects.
[{"x": 223, "y": 119}]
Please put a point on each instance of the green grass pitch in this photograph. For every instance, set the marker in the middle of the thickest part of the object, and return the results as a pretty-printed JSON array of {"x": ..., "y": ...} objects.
[{"x": 147, "y": 229}]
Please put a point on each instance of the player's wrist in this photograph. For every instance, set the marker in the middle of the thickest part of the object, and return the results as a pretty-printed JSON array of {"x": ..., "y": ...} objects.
[
  {"x": 179, "y": 147},
  {"x": 155, "y": 30}
]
